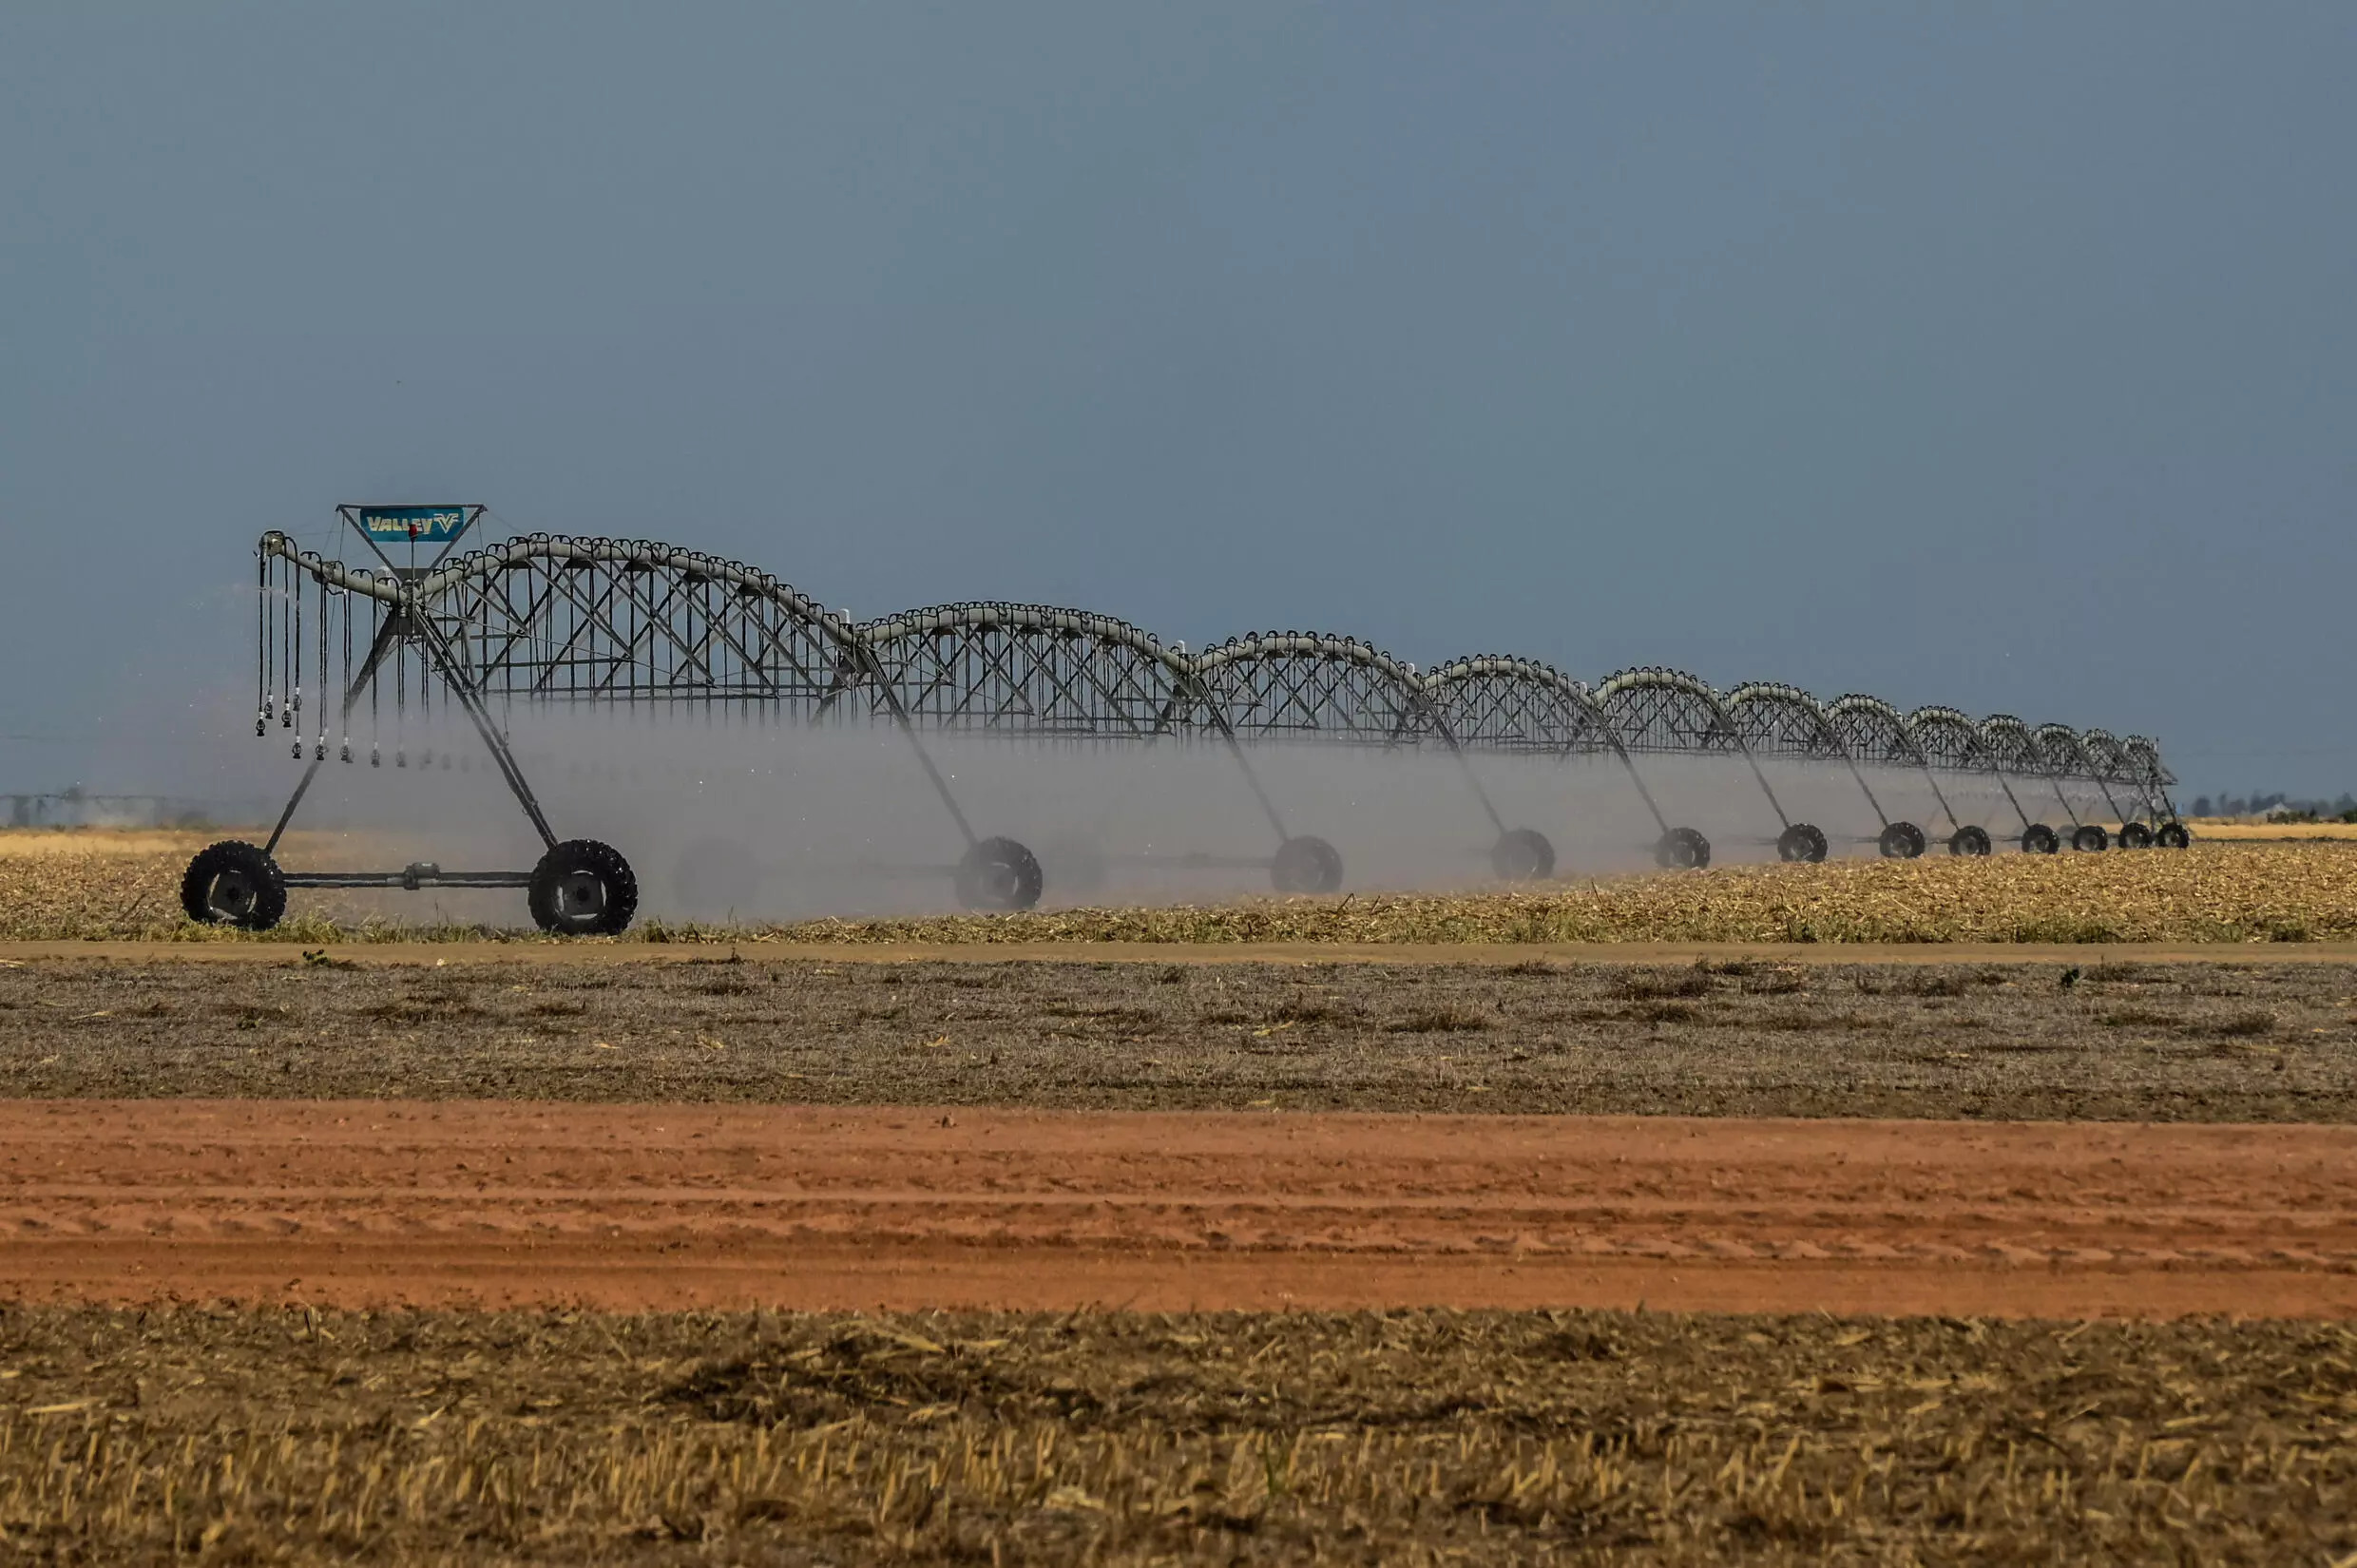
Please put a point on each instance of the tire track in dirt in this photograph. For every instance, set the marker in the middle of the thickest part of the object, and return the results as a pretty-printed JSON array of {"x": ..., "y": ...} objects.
[{"x": 377, "y": 1202}]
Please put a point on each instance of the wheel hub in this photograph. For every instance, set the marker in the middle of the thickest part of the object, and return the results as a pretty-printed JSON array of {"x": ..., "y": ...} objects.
[
  {"x": 233, "y": 895},
  {"x": 582, "y": 896}
]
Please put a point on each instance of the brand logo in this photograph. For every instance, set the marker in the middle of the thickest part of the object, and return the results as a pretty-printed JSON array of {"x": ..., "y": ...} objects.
[{"x": 423, "y": 524}]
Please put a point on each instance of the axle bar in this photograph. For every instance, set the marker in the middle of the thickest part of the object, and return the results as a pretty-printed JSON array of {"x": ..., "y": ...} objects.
[{"x": 410, "y": 878}]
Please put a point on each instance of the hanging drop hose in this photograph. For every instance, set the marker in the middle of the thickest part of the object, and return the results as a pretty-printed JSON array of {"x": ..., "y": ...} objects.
[
  {"x": 376, "y": 627},
  {"x": 320, "y": 755},
  {"x": 262, "y": 645},
  {"x": 346, "y": 682},
  {"x": 400, "y": 699},
  {"x": 295, "y": 685},
  {"x": 279, "y": 622}
]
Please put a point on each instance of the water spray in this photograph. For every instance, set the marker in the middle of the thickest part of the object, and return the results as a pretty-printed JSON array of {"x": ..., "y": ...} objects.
[{"x": 559, "y": 622}]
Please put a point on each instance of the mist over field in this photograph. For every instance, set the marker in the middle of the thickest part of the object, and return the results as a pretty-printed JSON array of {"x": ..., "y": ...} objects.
[{"x": 794, "y": 821}]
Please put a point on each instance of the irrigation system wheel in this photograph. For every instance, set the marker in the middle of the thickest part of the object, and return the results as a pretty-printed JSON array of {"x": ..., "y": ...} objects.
[
  {"x": 1523, "y": 854},
  {"x": 1683, "y": 849},
  {"x": 1902, "y": 841},
  {"x": 714, "y": 874},
  {"x": 582, "y": 888},
  {"x": 999, "y": 873},
  {"x": 1801, "y": 841},
  {"x": 1969, "y": 840},
  {"x": 2090, "y": 839},
  {"x": 2174, "y": 835},
  {"x": 1306, "y": 864},
  {"x": 2039, "y": 839},
  {"x": 2135, "y": 835},
  {"x": 233, "y": 883}
]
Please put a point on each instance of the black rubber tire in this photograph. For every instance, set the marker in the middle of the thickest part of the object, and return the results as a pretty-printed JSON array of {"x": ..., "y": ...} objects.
[
  {"x": 2039, "y": 839},
  {"x": 1306, "y": 864},
  {"x": 1683, "y": 849},
  {"x": 1902, "y": 841},
  {"x": 2090, "y": 839},
  {"x": 1001, "y": 874},
  {"x": 233, "y": 883},
  {"x": 1523, "y": 854},
  {"x": 1802, "y": 841},
  {"x": 2174, "y": 835},
  {"x": 1969, "y": 840},
  {"x": 1077, "y": 868},
  {"x": 582, "y": 888},
  {"x": 2135, "y": 835},
  {"x": 716, "y": 876}
]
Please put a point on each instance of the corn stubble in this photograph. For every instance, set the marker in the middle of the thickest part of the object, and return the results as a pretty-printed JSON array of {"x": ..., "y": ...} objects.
[
  {"x": 296, "y": 1436},
  {"x": 2213, "y": 892},
  {"x": 2209, "y": 894}
]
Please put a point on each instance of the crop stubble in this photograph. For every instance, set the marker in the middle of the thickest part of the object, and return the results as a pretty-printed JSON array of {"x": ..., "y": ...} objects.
[
  {"x": 2223, "y": 1041},
  {"x": 101, "y": 886},
  {"x": 311, "y": 1436}
]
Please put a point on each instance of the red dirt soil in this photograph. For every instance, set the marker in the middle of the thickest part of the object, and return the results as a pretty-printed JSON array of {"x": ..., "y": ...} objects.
[{"x": 362, "y": 1203}]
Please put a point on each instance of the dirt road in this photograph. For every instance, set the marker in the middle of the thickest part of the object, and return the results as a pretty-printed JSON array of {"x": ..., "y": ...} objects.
[{"x": 659, "y": 1207}]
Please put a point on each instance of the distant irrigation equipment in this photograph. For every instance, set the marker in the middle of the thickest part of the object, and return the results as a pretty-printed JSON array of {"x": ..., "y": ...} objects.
[{"x": 554, "y": 621}]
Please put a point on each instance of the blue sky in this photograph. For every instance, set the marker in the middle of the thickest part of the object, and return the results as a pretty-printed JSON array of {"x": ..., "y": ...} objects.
[{"x": 1992, "y": 356}]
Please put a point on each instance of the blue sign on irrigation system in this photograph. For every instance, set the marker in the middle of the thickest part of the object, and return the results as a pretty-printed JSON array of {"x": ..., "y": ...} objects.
[{"x": 415, "y": 524}]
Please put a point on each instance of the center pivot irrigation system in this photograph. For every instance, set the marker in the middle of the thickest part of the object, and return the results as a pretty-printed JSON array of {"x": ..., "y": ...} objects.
[{"x": 555, "y": 621}]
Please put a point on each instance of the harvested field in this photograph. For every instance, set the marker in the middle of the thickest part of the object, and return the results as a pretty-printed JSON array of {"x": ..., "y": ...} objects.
[
  {"x": 1761, "y": 1036},
  {"x": 475, "y": 1438},
  {"x": 2288, "y": 833},
  {"x": 742, "y": 1150},
  {"x": 100, "y": 887},
  {"x": 82, "y": 883},
  {"x": 2249, "y": 892}
]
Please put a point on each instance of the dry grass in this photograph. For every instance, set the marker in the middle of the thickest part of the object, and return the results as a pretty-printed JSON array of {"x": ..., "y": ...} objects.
[
  {"x": 97, "y": 884},
  {"x": 2209, "y": 894},
  {"x": 100, "y": 844},
  {"x": 86, "y": 886},
  {"x": 2252, "y": 830},
  {"x": 473, "y": 1438}
]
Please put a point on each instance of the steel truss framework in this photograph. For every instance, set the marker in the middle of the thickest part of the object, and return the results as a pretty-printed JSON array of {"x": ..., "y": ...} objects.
[{"x": 556, "y": 620}]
